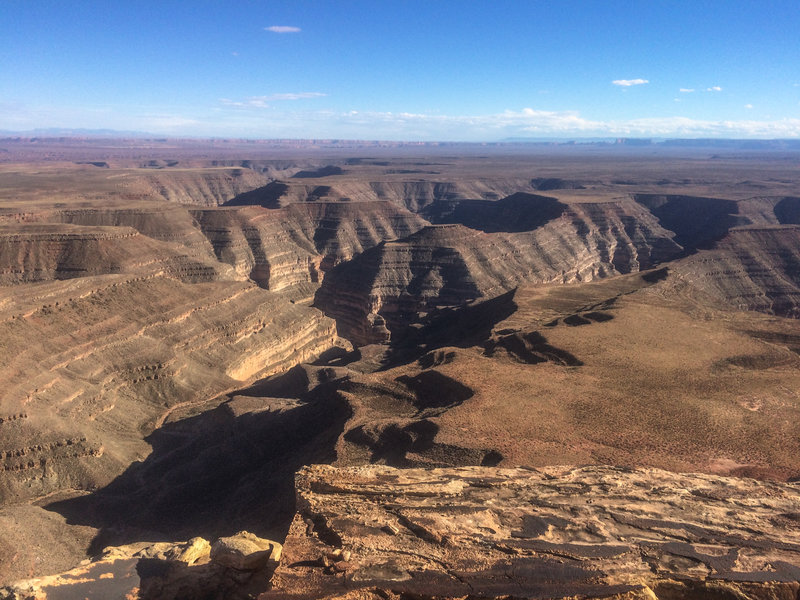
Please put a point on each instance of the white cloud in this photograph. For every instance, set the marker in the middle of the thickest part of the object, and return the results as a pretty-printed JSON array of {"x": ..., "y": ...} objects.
[
  {"x": 686, "y": 90},
  {"x": 246, "y": 118},
  {"x": 282, "y": 29},
  {"x": 262, "y": 101},
  {"x": 748, "y": 106},
  {"x": 630, "y": 82},
  {"x": 715, "y": 88},
  {"x": 295, "y": 96}
]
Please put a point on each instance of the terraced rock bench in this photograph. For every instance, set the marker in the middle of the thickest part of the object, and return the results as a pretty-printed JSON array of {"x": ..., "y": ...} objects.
[{"x": 556, "y": 532}]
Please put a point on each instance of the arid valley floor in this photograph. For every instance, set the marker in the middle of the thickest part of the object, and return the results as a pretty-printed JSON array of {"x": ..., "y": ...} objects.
[{"x": 521, "y": 371}]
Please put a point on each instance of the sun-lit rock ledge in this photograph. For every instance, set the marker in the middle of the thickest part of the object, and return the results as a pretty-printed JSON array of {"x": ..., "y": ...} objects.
[{"x": 557, "y": 532}]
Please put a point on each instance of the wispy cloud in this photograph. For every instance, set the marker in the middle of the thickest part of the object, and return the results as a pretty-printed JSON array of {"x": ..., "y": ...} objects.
[
  {"x": 630, "y": 82},
  {"x": 263, "y": 101},
  {"x": 282, "y": 29},
  {"x": 748, "y": 106},
  {"x": 686, "y": 90},
  {"x": 715, "y": 88},
  {"x": 294, "y": 96},
  {"x": 244, "y": 118},
  {"x": 530, "y": 122}
]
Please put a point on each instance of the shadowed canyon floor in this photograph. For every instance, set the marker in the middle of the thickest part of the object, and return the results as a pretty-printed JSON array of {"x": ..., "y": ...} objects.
[{"x": 182, "y": 332}]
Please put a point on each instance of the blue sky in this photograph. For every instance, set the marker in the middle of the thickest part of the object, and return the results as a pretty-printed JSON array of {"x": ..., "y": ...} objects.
[{"x": 427, "y": 70}]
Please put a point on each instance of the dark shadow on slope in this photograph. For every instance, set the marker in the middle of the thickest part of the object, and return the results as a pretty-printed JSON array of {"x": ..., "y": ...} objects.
[
  {"x": 463, "y": 327},
  {"x": 545, "y": 184},
  {"x": 298, "y": 380},
  {"x": 267, "y": 196},
  {"x": 433, "y": 390},
  {"x": 529, "y": 347},
  {"x": 787, "y": 210},
  {"x": 656, "y": 275},
  {"x": 515, "y": 213},
  {"x": 225, "y": 470},
  {"x": 414, "y": 445},
  {"x": 697, "y": 222},
  {"x": 326, "y": 171}
]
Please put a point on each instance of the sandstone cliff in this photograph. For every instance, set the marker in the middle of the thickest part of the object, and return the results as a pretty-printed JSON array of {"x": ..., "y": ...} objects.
[
  {"x": 443, "y": 265},
  {"x": 94, "y": 364},
  {"x": 751, "y": 268},
  {"x": 412, "y": 195},
  {"x": 160, "y": 221},
  {"x": 285, "y": 248},
  {"x": 54, "y": 251},
  {"x": 203, "y": 186}
]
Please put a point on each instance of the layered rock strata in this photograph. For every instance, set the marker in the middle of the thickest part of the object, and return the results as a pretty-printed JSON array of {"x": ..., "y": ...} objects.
[
  {"x": 31, "y": 253},
  {"x": 203, "y": 187},
  {"x": 752, "y": 268},
  {"x": 413, "y": 195},
  {"x": 383, "y": 288},
  {"x": 555, "y": 532},
  {"x": 286, "y": 248},
  {"x": 95, "y": 362},
  {"x": 162, "y": 222}
]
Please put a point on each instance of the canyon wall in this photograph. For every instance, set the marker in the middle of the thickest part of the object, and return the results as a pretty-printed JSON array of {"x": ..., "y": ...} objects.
[{"x": 441, "y": 265}]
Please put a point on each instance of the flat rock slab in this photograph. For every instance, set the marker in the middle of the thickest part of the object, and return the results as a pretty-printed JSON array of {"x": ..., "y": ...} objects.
[{"x": 556, "y": 532}]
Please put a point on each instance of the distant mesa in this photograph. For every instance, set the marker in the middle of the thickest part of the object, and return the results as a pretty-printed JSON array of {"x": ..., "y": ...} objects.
[
  {"x": 97, "y": 163},
  {"x": 267, "y": 196},
  {"x": 515, "y": 213},
  {"x": 326, "y": 171},
  {"x": 544, "y": 184},
  {"x": 159, "y": 164}
]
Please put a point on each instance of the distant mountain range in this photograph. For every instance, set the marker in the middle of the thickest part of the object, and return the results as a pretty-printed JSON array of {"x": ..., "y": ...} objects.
[{"x": 729, "y": 144}]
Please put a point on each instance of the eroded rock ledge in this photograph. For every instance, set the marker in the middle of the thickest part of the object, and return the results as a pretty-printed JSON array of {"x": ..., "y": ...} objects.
[
  {"x": 557, "y": 532},
  {"x": 480, "y": 533}
]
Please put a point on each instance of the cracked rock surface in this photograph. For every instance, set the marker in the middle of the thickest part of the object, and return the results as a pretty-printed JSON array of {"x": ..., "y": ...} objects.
[{"x": 554, "y": 532}]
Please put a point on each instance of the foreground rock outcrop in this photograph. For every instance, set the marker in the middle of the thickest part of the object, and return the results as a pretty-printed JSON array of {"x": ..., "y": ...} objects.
[
  {"x": 556, "y": 532},
  {"x": 238, "y": 566},
  {"x": 377, "y": 532}
]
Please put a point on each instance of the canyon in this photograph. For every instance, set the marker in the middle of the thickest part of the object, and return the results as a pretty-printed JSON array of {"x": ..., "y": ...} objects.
[{"x": 500, "y": 361}]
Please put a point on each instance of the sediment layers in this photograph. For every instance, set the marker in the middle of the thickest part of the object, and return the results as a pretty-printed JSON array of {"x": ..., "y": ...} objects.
[
  {"x": 203, "y": 186},
  {"x": 31, "y": 253},
  {"x": 452, "y": 264},
  {"x": 162, "y": 222},
  {"x": 751, "y": 268},
  {"x": 285, "y": 248},
  {"x": 411, "y": 195},
  {"x": 95, "y": 363}
]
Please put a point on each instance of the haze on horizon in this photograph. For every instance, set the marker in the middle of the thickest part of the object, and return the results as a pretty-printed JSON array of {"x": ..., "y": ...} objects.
[{"x": 403, "y": 70}]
